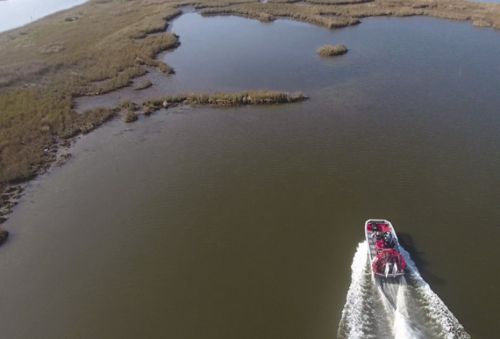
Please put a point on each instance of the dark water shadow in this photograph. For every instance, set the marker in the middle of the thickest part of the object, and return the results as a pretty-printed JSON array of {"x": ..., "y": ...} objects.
[{"x": 406, "y": 240}]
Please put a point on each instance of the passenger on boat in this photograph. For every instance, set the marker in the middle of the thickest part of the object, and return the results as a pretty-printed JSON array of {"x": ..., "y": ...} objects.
[
  {"x": 377, "y": 235},
  {"x": 389, "y": 240}
]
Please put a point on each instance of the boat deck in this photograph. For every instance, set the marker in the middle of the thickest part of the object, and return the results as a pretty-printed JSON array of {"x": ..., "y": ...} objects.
[
  {"x": 380, "y": 252},
  {"x": 383, "y": 226}
]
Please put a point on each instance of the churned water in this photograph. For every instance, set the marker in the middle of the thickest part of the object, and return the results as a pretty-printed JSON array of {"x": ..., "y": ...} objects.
[{"x": 402, "y": 308}]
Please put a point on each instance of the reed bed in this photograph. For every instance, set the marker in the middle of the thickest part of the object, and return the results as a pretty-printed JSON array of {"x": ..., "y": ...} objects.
[
  {"x": 332, "y": 50},
  {"x": 225, "y": 99}
]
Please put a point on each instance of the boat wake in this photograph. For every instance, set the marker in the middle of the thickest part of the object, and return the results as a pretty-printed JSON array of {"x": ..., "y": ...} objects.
[{"x": 400, "y": 308}]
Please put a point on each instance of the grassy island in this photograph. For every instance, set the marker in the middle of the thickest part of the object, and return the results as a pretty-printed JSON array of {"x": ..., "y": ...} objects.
[{"x": 331, "y": 50}]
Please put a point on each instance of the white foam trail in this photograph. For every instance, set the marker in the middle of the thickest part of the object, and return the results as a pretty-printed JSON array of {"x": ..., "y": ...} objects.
[
  {"x": 404, "y": 309},
  {"x": 403, "y": 327},
  {"x": 361, "y": 314},
  {"x": 439, "y": 318},
  {"x": 352, "y": 315},
  {"x": 402, "y": 330}
]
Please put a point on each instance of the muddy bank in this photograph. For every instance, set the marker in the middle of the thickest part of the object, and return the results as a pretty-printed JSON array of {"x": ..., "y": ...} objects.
[{"x": 8, "y": 199}]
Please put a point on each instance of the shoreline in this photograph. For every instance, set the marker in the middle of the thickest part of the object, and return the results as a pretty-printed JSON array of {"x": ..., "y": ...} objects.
[
  {"x": 153, "y": 33},
  {"x": 11, "y": 193}
]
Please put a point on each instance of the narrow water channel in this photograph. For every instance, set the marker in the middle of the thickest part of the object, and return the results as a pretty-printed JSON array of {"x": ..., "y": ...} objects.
[{"x": 243, "y": 223}]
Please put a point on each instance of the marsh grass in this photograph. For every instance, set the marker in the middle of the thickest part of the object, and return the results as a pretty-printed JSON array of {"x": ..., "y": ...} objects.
[
  {"x": 130, "y": 116},
  {"x": 332, "y": 50},
  {"x": 337, "y": 2},
  {"x": 270, "y": 11},
  {"x": 225, "y": 99},
  {"x": 102, "y": 47}
]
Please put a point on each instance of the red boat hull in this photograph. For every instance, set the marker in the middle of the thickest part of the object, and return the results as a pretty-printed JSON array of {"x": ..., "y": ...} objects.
[{"x": 383, "y": 249}]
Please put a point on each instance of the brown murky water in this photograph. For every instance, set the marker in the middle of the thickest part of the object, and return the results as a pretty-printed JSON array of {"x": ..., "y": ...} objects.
[{"x": 242, "y": 223}]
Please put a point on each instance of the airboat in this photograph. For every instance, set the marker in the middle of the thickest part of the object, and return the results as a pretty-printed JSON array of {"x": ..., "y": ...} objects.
[{"x": 384, "y": 252}]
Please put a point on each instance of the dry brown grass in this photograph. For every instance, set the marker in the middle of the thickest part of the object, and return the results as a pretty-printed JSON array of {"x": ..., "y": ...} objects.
[
  {"x": 225, "y": 99},
  {"x": 91, "y": 49},
  {"x": 337, "y": 2},
  {"x": 332, "y": 50},
  {"x": 270, "y": 11},
  {"x": 341, "y": 13},
  {"x": 130, "y": 116}
]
